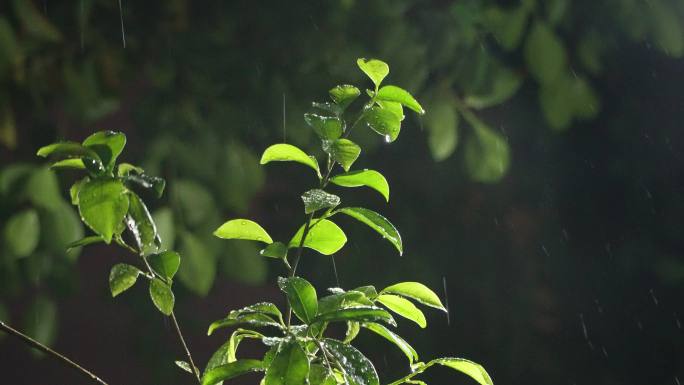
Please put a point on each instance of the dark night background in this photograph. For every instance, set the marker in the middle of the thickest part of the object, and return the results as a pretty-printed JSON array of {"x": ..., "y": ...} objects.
[{"x": 563, "y": 266}]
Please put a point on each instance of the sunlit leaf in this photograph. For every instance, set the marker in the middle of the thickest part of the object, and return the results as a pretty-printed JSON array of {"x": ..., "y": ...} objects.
[
  {"x": 358, "y": 370},
  {"x": 416, "y": 291},
  {"x": 318, "y": 199},
  {"x": 472, "y": 369},
  {"x": 320, "y": 375},
  {"x": 344, "y": 95},
  {"x": 324, "y": 236},
  {"x": 302, "y": 297},
  {"x": 376, "y": 222},
  {"x": 326, "y": 127},
  {"x": 290, "y": 366},
  {"x": 369, "y": 178},
  {"x": 283, "y": 152},
  {"x": 376, "y": 70},
  {"x": 403, "y": 307},
  {"x": 358, "y": 313},
  {"x": 231, "y": 370},
  {"x": 384, "y": 122},
  {"x": 243, "y": 229},
  {"x": 122, "y": 277},
  {"x": 393, "y": 338},
  {"x": 162, "y": 296},
  {"x": 103, "y": 203},
  {"x": 399, "y": 95},
  {"x": 343, "y": 151},
  {"x": 275, "y": 250}
]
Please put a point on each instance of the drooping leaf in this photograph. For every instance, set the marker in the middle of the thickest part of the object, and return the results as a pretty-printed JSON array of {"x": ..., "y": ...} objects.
[
  {"x": 384, "y": 122},
  {"x": 358, "y": 314},
  {"x": 472, "y": 369},
  {"x": 290, "y": 366},
  {"x": 416, "y": 291},
  {"x": 283, "y": 152},
  {"x": 67, "y": 150},
  {"x": 231, "y": 370},
  {"x": 302, "y": 297},
  {"x": 326, "y": 127},
  {"x": 162, "y": 296},
  {"x": 343, "y": 95},
  {"x": 227, "y": 352},
  {"x": 108, "y": 146},
  {"x": 392, "y": 337},
  {"x": 376, "y": 70},
  {"x": 103, "y": 203},
  {"x": 399, "y": 95},
  {"x": 324, "y": 236},
  {"x": 22, "y": 233},
  {"x": 243, "y": 229},
  {"x": 122, "y": 277},
  {"x": 68, "y": 164},
  {"x": 184, "y": 365},
  {"x": 141, "y": 225},
  {"x": 353, "y": 328},
  {"x": 318, "y": 199},
  {"x": 369, "y": 178},
  {"x": 343, "y": 151},
  {"x": 165, "y": 263},
  {"x": 358, "y": 370},
  {"x": 403, "y": 307},
  {"x": 85, "y": 242},
  {"x": 275, "y": 250},
  {"x": 377, "y": 222}
]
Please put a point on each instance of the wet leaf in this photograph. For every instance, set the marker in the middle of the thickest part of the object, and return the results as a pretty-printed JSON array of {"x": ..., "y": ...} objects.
[
  {"x": 290, "y": 366},
  {"x": 318, "y": 199},
  {"x": 141, "y": 225},
  {"x": 231, "y": 370},
  {"x": 122, "y": 277},
  {"x": 376, "y": 222},
  {"x": 358, "y": 370},
  {"x": 343, "y": 151},
  {"x": 344, "y": 95},
  {"x": 403, "y": 307},
  {"x": 326, "y": 127},
  {"x": 392, "y": 337},
  {"x": 472, "y": 369},
  {"x": 416, "y": 291},
  {"x": 162, "y": 296},
  {"x": 384, "y": 122},
  {"x": 324, "y": 236},
  {"x": 302, "y": 297},
  {"x": 369, "y": 178},
  {"x": 399, "y": 95},
  {"x": 165, "y": 263},
  {"x": 108, "y": 146},
  {"x": 358, "y": 314},
  {"x": 275, "y": 250},
  {"x": 103, "y": 203},
  {"x": 376, "y": 70}
]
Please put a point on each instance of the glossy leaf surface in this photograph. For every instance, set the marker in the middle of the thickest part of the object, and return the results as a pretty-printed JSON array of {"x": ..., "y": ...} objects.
[
  {"x": 358, "y": 370},
  {"x": 392, "y": 337},
  {"x": 243, "y": 229},
  {"x": 358, "y": 313},
  {"x": 376, "y": 70},
  {"x": 416, "y": 291},
  {"x": 403, "y": 307},
  {"x": 377, "y": 222},
  {"x": 290, "y": 366},
  {"x": 103, "y": 203},
  {"x": 324, "y": 236},
  {"x": 301, "y": 296},
  {"x": 326, "y": 127},
  {"x": 318, "y": 199},
  {"x": 165, "y": 263},
  {"x": 344, "y": 95},
  {"x": 283, "y": 152},
  {"x": 162, "y": 296},
  {"x": 231, "y": 370},
  {"x": 369, "y": 178},
  {"x": 107, "y": 144},
  {"x": 344, "y": 151}
]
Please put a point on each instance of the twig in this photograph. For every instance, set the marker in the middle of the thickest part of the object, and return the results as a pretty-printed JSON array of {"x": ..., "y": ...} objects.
[
  {"x": 57, "y": 356},
  {"x": 185, "y": 346}
]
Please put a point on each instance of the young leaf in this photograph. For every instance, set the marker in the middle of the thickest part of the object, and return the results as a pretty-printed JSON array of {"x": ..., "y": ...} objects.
[
  {"x": 358, "y": 370},
  {"x": 108, "y": 146},
  {"x": 142, "y": 225},
  {"x": 68, "y": 164},
  {"x": 369, "y": 178},
  {"x": 376, "y": 70},
  {"x": 472, "y": 369},
  {"x": 403, "y": 307},
  {"x": 67, "y": 149},
  {"x": 243, "y": 229},
  {"x": 416, "y": 291},
  {"x": 227, "y": 352},
  {"x": 377, "y": 222},
  {"x": 326, "y": 127},
  {"x": 288, "y": 153},
  {"x": 324, "y": 236},
  {"x": 22, "y": 233},
  {"x": 343, "y": 151},
  {"x": 231, "y": 370},
  {"x": 162, "y": 296},
  {"x": 344, "y": 95},
  {"x": 384, "y": 122},
  {"x": 394, "y": 107},
  {"x": 317, "y": 199},
  {"x": 399, "y": 95},
  {"x": 122, "y": 277},
  {"x": 302, "y": 297},
  {"x": 392, "y": 337},
  {"x": 290, "y": 366},
  {"x": 165, "y": 263},
  {"x": 103, "y": 204},
  {"x": 358, "y": 313},
  {"x": 253, "y": 319},
  {"x": 275, "y": 250}
]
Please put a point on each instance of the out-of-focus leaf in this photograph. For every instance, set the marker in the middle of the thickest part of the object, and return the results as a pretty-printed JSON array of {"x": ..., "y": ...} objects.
[
  {"x": 163, "y": 218},
  {"x": 198, "y": 270},
  {"x": 507, "y": 25},
  {"x": 544, "y": 53},
  {"x": 668, "y": 28},
  {"x": 60, "y": 227},
  {"x": 487, "y": 155},
  {"x": 505, "y": 84},
  {"x": 442, "y": 126},
  {"x": 40, "y": 321},
  {"x": 240, "y": 262},
  {"x": 8, "y": 129},
  {"x": 34, "y": 22},
  {"x": 43, "y": 189},
  {"x": 22, "y": 233},
  {"x": 196, "y": 204}
]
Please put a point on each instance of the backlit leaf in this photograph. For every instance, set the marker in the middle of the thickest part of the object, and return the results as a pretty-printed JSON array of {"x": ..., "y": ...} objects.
[
  {"x": 392, "y": 337},
  {"x": 384, "y": 122},
  {"x": 369, "y": 178},
  {"x": 376, "y": 70},
  {"x": 403, "y": 307},
  {"x": 343, "y": 151},
  {"x": 399, "y": 95},
  {"x": 324, "y": 236},
  {"x": 283, "y": 152},
  {"x": 376, "y": 222},
  {"x": 416, "y": 291},
  {"x": 162, "y": 296},
  {"x": 243, "y": 229},
  {"x": 344, "y": 95},
  {"x": 318, "y": 199},
  {"x": 231, "y": 370},
  {"x": 326, "y": 127}
]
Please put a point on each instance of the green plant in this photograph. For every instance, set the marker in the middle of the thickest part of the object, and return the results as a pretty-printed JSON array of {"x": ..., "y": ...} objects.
[{"x": 109, "y": 204}]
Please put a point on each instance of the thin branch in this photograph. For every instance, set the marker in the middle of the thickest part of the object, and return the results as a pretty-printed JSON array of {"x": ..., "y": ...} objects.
[
  {"x": 57, "y": 356},
  {"x": 185, "y": 346}
]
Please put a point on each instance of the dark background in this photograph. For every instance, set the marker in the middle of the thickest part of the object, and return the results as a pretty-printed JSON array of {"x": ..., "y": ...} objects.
[{"x": 562, "y": 266}]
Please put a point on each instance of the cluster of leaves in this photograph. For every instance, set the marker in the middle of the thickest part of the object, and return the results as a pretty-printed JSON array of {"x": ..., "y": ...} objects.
[{"x": 304, "y": 353}]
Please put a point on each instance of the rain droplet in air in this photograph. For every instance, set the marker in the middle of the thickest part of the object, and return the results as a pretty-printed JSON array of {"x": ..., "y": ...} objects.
[{"x": 387, "y": 139}]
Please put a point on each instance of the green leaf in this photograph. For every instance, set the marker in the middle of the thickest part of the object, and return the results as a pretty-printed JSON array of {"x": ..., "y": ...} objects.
[
  {"x": 252, "y": 319},
  {"x": 40, "y": 320},
  {"x": 165, "y": 263},
  {"x": 487, "y": 155},
  {"x": 243, "y": 229},
  {"x": 343, "y": 300},
  {"x": 326, "y": 127},
  {"x": 42, "y": 189},
  {"x": 275, "y": 250},
  {"x": 442, "y": 126},
  {"x": 392, "y": 337},
  {"x": 472, "y": 369},
  {"x": 122, "y": 277},
  {"x": 108, "y": 146},
  {"x": 302, "y": 297},
  {"x": 320, "y": 375},
  {"x": 185, "y": 366},
  {"x": 68, "y": 164},
  {"x": 163, "y": 219},
  {"x": 353, "y": 328},
  {"x": 505, "y": 84},
  {"x": 103, "y": 204},
  {"x": 399, "y": 95},
  {"x": 67, "y": 149},
  {"x": 368, "y": 291},
  {"x": 324, "y": 236},
  {"x": 85, "y": 242},
  {"x": 384, "y": 122},
  {"x": 227, "y": 352},
  {"x": 416, "y": 291},
  {"x": 403, "y": 307},
  {"x": 358, "y": 314},
  {"x": 376, "y": 222},
  {"x": 147, "y": 181},
  {"x": 193, "y": 201},
  {"x": 75, "y": 189},
  {"x": 343, "y": 95},
  {"x": 343, "y": 151},
  {"x": 22, "y": 233},
  {"x": 125, "y": 169},
  {"x": 288, "y": 153},
  {"x": 376, "y": 70},
  {"x": 544, "y": 53},
  {"x": 318, "y": 199},
  {"x": 290, "y": 366},
  {"x": 198, "y": 270},
  {"x": 358, "y": 370},
  {"x": 162, "y": 296},
  {"x": 369, "y": 178},
  {"x": 507, "y": 25},
  {"x": 141, "y": 225},
  {"x": 231, "y": 370},
  {"x": 60, "y": 227}
]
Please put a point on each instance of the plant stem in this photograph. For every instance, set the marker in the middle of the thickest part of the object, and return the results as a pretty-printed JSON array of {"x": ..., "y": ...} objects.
[
  {"x": 185, "y": 346},
  {"x": 59, "y": 357}
]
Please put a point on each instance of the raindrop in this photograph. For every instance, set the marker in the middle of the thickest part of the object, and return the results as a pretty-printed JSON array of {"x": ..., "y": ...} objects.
[
  {"x": 605, "y": 353},
  {"x": 598, "y": 306},
  {"x": 387, "y": 139},
  {"x": 585, "y": 331},
  {"x": 446, "y": 300},
  {"x": 677, "y": 380},
  {"x": 545, "y": 251},
  {"x": 679, "y": 323},
  {"x": 123, "y": 34},
  {"x": 655, "y": 300}
]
